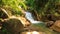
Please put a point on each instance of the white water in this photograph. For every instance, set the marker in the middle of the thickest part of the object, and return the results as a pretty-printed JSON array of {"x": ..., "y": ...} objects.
[{"x": 28, "y": 15}]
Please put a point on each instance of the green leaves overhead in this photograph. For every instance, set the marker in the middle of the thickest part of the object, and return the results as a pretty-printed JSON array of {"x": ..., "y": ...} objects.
[{"x": 14, "y": 4}]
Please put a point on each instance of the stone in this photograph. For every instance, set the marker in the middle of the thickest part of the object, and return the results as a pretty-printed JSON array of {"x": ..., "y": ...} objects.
[
  {"x": 56, "y": 26},
  {"x": 14, "y": 26}
]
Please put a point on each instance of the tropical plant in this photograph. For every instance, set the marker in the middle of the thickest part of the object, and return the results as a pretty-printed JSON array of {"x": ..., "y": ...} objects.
[
  {"x": 44, "y": 7},
  {"x": 13, "y": 4}
]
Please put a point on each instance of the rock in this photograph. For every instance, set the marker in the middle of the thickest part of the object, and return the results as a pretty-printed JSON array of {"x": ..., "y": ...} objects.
[
  {"x": 56, "y": 26},
  {"x": 33, "y": 32},
  {"x": 25, "y": 22},
  {"x": 14, "y": 26},
  {"x": 49, "y": 23}
]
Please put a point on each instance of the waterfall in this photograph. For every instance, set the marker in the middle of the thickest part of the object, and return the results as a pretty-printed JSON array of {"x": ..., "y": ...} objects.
[{"x": 29, "y": 16}]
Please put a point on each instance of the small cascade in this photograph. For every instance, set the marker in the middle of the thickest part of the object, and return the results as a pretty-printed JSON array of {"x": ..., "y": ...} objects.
[{"x": 29, "y": 16}]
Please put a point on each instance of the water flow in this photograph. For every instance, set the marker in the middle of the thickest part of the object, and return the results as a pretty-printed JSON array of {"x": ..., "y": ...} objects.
[{"x": 29, "y": 16}]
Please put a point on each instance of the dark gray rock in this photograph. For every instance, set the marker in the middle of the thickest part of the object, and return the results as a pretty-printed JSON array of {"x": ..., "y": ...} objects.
[{"x": 14, "y": 26}]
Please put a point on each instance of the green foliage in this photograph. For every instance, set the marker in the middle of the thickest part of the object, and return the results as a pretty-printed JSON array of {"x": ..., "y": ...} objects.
[
  {"x": 43, "y": 6},
  {"x": 14, "y": 5},
  {"x": 30, "y": 3}
]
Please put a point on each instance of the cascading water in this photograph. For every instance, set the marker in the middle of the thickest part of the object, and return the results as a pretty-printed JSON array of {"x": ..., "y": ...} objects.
[{"x": 28, "y": 15}]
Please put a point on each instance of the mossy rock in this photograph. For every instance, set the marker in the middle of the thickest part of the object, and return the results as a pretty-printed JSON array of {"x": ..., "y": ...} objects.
[{"x": 13, "y": 26}]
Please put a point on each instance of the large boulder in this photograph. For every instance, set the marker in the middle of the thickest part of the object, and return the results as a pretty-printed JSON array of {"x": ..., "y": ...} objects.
[
  {"x": 56, "y": 26},
  {"x": 14, "y": 26}
]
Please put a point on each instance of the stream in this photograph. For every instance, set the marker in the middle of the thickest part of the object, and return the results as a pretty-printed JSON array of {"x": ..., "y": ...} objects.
[
  {"x": 34, "y": 28},
  {"x": 29, "y": 16}
]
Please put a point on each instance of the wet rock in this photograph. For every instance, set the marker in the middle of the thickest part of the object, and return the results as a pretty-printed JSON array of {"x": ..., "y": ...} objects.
[
  {"x": 49, "y": 23},
  {"x": 14, "y": 26},
  {"x": 33, "y": 32},
  {"x": 56, "y": 26}
]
